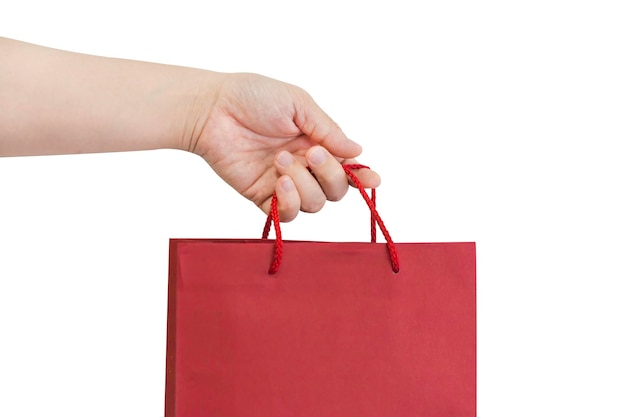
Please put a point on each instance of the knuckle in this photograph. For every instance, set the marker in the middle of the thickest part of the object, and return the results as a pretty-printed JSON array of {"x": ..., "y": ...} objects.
[
  {"x": 335, "y": 186},
  {"x": 287, "y": 215},
  {"x": 313, "y": 206},
  {"x": 337, "y": 195}
]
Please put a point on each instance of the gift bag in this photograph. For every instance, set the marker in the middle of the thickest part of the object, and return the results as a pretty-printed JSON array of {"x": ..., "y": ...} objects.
[{"x": 331, "y": 330}]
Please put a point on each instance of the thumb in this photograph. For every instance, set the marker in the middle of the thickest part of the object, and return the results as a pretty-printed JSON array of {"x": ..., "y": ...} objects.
[{"x": 320, "y": 128}]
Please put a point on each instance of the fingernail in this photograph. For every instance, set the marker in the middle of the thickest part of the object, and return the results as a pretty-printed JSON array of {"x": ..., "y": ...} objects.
[
  {"x": 285, "y": 159},
  {"x": 317, "y": 157},
  {"x": 287, "y": 185}
]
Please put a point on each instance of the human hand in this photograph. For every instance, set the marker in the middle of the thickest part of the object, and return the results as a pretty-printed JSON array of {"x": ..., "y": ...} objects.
[{"x": 260, "y": 135}]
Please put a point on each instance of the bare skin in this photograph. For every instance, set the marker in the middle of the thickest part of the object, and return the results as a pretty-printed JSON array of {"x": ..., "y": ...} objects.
[{"x": 258, "y": 134}]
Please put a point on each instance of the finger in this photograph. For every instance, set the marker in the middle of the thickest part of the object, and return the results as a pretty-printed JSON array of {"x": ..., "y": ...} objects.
[
  {"x": 288, "y": 199},
  {"x": 367, "y": 177},
  {"x": 312, "y": 198},
  {"x": 328, "y": 172},
  {"x": 320, "y": 128}
]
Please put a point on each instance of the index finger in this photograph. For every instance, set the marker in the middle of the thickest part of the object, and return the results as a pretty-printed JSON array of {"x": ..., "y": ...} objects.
[{"x": 320, "y": 128}]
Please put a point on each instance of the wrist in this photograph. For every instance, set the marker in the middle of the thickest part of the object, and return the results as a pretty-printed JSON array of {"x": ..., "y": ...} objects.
[{"x": 194, "y": 100}]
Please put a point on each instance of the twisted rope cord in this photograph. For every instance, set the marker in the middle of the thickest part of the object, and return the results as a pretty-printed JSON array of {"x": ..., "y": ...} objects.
[
  {"x": 375, "y": 219},
  {"x": 273, "y": 217}
]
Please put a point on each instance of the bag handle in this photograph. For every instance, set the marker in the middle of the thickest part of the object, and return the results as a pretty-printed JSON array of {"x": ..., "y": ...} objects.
[{"x": 375, "y": 219}]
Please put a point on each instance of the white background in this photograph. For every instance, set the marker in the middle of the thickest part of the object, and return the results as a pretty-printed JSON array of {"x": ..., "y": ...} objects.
[{"x": 498, "y": 122}]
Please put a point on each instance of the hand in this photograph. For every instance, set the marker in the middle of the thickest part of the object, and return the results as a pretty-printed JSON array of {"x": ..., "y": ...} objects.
[{"x": 260, "y": 135}]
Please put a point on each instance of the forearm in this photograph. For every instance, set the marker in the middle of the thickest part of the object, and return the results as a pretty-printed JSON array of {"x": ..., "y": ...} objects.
[{"x": 58, "y": 102}]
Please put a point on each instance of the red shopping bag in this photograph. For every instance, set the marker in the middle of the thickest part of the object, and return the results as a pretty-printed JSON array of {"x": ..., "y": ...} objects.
[{"x": 334, "y": 332}]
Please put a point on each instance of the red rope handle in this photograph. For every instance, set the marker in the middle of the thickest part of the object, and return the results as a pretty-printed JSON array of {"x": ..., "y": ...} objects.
[
  {"x": 391, "y": 247},
  {"x": 278, "y": 243},
  {"x": 375, "y": 219},
  {"x": 347, "y": 168},
  {"x": 372, "y": 218}
]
